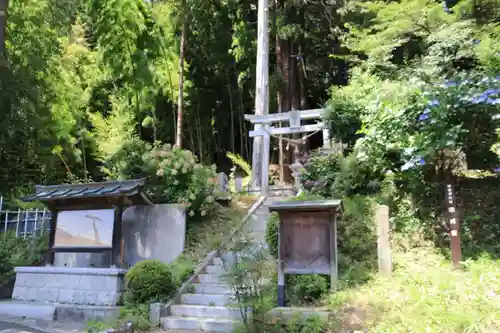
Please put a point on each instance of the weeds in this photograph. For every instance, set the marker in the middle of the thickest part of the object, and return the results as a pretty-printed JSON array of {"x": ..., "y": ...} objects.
[{"x": 426, "y": 295}]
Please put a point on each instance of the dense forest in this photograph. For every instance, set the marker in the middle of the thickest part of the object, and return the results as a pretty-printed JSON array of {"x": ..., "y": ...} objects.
[{"x": 86, "y": 84}]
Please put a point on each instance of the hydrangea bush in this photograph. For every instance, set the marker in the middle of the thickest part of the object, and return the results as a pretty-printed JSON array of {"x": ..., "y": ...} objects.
[
  {"x": 179, "y": 178},
  {"x": 457, "y": 115},
  {"x": 174, "y": 175}
]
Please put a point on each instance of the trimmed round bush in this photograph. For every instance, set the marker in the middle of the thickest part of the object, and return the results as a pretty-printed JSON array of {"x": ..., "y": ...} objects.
[{"x": 149, "y": 281}]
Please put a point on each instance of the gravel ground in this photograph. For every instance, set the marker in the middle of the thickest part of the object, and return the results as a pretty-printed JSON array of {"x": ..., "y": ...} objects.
[{"x": 18, "y": 325}]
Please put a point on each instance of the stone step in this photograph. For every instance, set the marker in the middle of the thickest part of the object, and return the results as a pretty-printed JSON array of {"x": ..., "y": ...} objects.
[
  {"x": 214, "y": 289},
  {"x": 198, "y": 324},
  {"x": 217, "y": 261},
  {"x": 205, "y": 311},
  {"x": 214, "y": 269},
  {"x": 206, "y": 299},
  {"x": 210, "y": 279}
]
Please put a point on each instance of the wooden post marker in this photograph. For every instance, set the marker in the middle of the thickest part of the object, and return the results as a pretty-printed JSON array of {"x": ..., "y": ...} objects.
[{"x": 454, "y": 224}]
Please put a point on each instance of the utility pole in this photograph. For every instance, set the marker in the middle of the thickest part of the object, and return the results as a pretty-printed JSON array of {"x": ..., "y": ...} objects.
[{"x": 261, "y": 89}]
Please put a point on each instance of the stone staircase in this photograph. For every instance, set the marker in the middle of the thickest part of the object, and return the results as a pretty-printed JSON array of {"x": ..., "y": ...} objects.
[
  {"x": 206, "y": 304},
  {"x": 205, "y": 307}
]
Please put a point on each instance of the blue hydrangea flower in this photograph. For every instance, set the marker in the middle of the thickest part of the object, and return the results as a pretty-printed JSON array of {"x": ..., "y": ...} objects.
[
  {"x": 450, "y": 84},
  {"x": 434, "y": 102},
  {"x": 491, "y": 91},
  {"x": 423, "y": 117},
  {"x": 421, "y": 161},
  {"x": 496, "y": 170},
  {"x": 479, "y": 99}
]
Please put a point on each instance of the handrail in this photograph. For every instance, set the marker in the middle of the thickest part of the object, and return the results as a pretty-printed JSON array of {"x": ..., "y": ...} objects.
[
  {"x": 208, "y": 258},
  {"x": 250, "y": 212}
]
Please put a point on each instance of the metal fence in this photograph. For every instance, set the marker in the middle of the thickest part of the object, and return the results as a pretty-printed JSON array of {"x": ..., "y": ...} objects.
[{"x": 30, "y": 222}]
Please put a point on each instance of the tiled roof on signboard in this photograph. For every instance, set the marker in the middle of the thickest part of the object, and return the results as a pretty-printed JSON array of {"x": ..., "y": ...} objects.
[
  {"x": 305, "y": 205},
  {"x": 124, "y": 188}
]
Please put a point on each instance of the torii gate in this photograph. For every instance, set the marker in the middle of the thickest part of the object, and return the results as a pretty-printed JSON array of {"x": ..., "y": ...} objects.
[{"x": 263, "y": 128}]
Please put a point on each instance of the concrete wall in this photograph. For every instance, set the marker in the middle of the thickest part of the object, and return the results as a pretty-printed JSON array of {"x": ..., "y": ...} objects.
[
  {"x": 149, "y": 232},
  {"x": 154, "y": 232},
  {"x": 98, "y": 260},
  {"x": 84, "y": 286}
]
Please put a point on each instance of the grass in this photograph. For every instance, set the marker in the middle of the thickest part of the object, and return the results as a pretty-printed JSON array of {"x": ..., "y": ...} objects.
[
  {"x": 425, "y": 294},
  {"x": 204, "y": 236}
]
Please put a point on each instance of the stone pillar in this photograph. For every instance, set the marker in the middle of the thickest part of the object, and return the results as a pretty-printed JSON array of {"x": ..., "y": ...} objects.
[{"x": 383, "y": 240}]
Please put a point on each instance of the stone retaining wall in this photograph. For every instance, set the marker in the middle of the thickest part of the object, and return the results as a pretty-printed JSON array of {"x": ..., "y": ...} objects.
[{"x": 69, "y": 285}]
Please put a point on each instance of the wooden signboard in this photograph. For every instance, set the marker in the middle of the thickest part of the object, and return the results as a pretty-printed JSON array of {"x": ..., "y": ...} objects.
[
  {"x": 307, "y": 240},
  {"x": 87, "y": 218},
  {"x": 84, "y": 228}
]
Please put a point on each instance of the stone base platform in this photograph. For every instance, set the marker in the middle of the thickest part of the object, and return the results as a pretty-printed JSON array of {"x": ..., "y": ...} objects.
[
  {"x": 69, "y": 285},
  {"x": 56, "y": 312},
  {"x": 290, "y": 313}
]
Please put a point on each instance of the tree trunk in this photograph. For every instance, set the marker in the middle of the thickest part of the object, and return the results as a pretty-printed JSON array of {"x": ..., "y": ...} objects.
[
  {"x": 301, "y": 68},
  {"x": 294, "y": 90},
  {"x": 280, "y": 94},
  {"x": 286, "y": 105},
  {"x": 3, "y": 24},
  {"x": 294, "y": 79},
  {"x": 180, "y": 98}
]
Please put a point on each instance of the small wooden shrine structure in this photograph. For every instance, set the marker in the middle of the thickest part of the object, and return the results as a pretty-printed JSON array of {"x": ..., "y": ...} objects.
[
  {"x": 307, "y": 241},
  {"x": 88, "y": 217}
]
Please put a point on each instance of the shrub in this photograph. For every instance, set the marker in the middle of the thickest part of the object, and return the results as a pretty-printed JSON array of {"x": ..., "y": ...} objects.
[
  {"x": 174, "y": 174},
  {"x": 177, "y": 177},
  {"x": 333, "y": 175},
  {"x": 247, "y": 277},
  {"x": 137, "y": 314},
  {"x": 311, "y": 324},
  {"x": 19, "y": 251},
  {"x": 128, "y": 162},
  {"x": 306, "y": 289},
  {"x": 6, "y": 265},
  {"x": 182, "y": 269},
  {"x": 149, "y": 281},
  {"x": 297, "y": 324},
  {"x": 319, "y": 174}
]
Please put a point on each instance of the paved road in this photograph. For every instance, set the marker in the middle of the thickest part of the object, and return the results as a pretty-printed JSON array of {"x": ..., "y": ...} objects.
[{"x": 16, "y": 328}]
